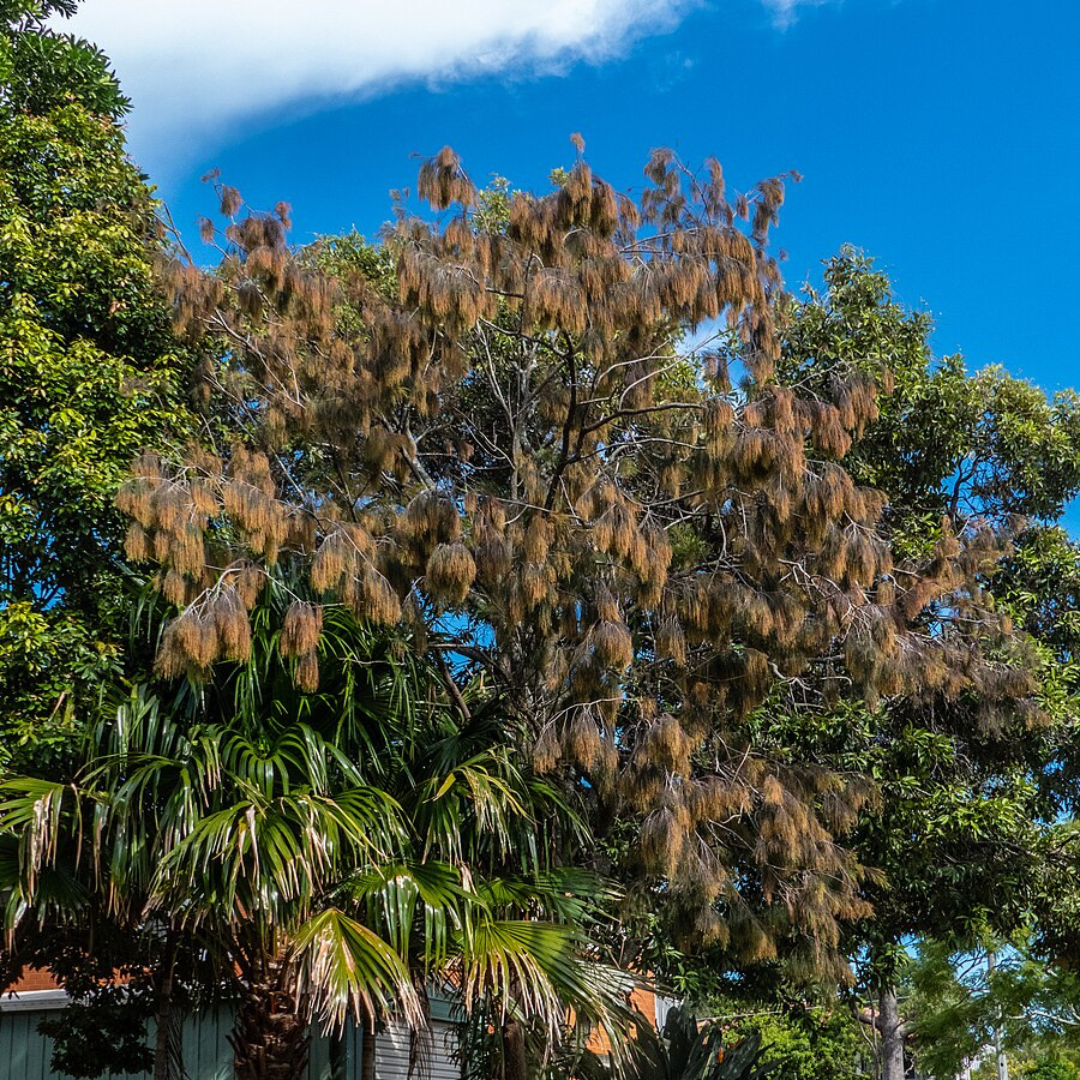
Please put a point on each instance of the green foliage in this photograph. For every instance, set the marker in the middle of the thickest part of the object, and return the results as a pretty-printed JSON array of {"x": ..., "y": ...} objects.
[
  {"x": 1049, "y": 1068},
  {"x": 808, "y": 1043},
  {"x": 493, "y": 205},
  {"x": 107, "y": 1035},
  {"x": 959, "y": 1003},
  {"x": 351, "y": 253},
  {"x": 88, "y": 366},
  {"x": 945, "y": 440},
  {"x": 41, "y": 70},
  {"x": 48, "y": 660}
]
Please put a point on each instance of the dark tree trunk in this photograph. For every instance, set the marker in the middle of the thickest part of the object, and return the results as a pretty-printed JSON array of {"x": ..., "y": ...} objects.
[
  {"x": 367, "y": 1048},
  {"x": 162, "y": 1048},
  {"x": 891, "y": 1028},
  {"x": 338, "y": 1057},
  {"x": 270, "y": 1039},
  {"x": 513, "y": 1039}
]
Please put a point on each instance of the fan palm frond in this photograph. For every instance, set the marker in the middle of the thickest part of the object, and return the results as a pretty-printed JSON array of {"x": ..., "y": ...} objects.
[{"x": 346, "y": 967}]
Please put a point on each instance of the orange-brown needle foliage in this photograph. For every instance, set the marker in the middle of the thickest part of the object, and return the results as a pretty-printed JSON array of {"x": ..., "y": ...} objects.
[{"x": 511, "y": 438}]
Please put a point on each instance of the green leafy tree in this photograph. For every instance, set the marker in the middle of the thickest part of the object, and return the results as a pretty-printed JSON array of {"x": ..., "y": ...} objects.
[
  {"x": 1049, "y": 1068},
  {"x": 964, "y": 1005},
  {"x": 802, "y": 1042},
  {"x": 1007, "y": 448},
  {"x": 963, "y": 802},
  {"x": 89, "y": 369}
]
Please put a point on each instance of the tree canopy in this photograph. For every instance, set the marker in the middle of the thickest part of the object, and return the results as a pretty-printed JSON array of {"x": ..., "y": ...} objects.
[
  {"x": 494, "y": 434},
  {"x": 537, "y": 595},
  {"x": 91, "y": 371}
]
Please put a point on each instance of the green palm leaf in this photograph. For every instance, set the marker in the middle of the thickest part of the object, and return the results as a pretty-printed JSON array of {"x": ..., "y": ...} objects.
[
  {"x": 346, "y": 967},
  {"x": 541, "y": 970}
]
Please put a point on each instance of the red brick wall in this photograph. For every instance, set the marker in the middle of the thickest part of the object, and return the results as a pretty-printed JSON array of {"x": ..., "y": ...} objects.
[
  {"x": 642, "y": 1000},
  {"x": 35, "y": 979}
]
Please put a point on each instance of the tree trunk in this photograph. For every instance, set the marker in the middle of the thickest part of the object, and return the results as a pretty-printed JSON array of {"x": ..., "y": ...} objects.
[
  {"x": 513, "y": 1040},
  {"x": 892, "y": 1035},
  {"x": 270, "y": 1039},
  {"x": 163, "y": 1037},
  {"x": 999, "y": 1049},
  {"x": 367, "y": 1049}
]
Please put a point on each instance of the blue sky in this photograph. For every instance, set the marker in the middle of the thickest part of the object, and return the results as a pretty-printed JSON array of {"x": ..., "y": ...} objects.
[{"x": 942, "y": 136}]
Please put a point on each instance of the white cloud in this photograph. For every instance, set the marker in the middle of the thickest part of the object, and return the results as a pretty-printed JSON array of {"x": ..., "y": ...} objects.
[
  {"x": 196, "y": 67},
  {"x": 784, "y": 11}
]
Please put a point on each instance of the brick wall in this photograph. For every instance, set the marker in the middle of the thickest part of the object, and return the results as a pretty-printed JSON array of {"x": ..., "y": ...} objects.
[
  {"x": 34, "y": 979},
  {"x": 642, "y": 1001}
]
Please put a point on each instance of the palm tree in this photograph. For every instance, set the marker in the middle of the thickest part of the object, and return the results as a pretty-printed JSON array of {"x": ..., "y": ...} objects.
[
  {"x": 330, "y": 850},
  {"x": 213, "y": 819}
]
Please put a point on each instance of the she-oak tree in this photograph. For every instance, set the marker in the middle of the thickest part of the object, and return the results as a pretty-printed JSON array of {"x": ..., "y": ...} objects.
[{"x": 488, "y": 431}]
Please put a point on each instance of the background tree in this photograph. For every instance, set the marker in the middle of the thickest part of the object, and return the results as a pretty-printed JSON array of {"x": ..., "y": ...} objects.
[
  {"x": 808, "y": 1040},
  {"x": 963, "y": 1006},
  {"x": 90, "y": 372},
  {"x": 966, "y": 803}
]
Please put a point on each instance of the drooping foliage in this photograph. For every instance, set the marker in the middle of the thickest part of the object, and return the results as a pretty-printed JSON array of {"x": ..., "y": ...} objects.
[{"x": 492, "y": 429}]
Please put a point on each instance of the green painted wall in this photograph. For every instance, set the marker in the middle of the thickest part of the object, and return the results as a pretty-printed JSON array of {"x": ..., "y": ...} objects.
[{"x": 25, "y": 1053}]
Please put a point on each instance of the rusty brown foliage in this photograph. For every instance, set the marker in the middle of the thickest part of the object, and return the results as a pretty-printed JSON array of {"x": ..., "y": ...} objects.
[{"x": 518, "y": 434}]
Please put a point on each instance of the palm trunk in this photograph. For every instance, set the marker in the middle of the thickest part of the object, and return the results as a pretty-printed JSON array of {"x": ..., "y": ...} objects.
[
  {"x": 270, "y": 1040},
  {"x": 891, "y": 1028},
  {"x": 513, "y": 1040}
]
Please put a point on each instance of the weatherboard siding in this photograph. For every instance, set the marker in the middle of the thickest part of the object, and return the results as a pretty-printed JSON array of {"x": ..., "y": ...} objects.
[{"x": 435, "y": 1053}]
